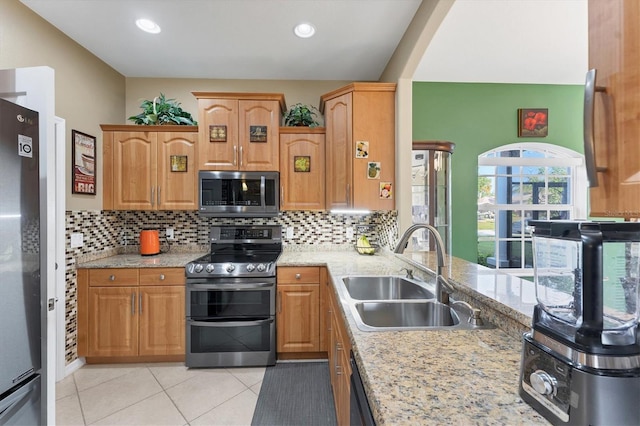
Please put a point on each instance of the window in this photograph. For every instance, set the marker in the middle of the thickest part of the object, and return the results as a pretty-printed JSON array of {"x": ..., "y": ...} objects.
[{"x": 522, "y": 182}]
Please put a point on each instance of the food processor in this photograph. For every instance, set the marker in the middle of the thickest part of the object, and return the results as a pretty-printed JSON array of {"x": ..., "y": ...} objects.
[{"x": 581, "y": 360}]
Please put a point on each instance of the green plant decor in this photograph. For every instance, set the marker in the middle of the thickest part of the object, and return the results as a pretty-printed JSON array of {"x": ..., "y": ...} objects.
[
  {"x": 301, "y": 115},
  {"x": 163, "y": 111}
]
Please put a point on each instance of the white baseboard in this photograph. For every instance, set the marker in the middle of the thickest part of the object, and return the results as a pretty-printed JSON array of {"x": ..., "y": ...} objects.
[{"x": 74, "y": 366}]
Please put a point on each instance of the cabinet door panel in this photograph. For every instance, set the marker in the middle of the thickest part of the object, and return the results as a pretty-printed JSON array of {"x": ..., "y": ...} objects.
[
  {"x": 135, "y": 170},
  {"x": 374, "y": 121},
  {"x": 162, "y": 320},
  {"x": 339, "y": 151},
  {"x": 298, "y": 319},
  {"x": 177, "y": 190},
  {"x": 217, "y": 152},
  {"x": 113, "y": 321},
  {"x": 259, "y": 151},
  {"x": 614, "y": 43},
  {"x": 302, "y": 190}
]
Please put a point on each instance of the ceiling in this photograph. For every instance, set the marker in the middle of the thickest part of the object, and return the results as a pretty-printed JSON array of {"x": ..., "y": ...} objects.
[{"x": 520, "y": 41}]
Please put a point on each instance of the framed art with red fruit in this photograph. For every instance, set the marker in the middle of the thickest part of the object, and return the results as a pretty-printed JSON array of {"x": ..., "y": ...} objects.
[{"x": 533, "y": 122}]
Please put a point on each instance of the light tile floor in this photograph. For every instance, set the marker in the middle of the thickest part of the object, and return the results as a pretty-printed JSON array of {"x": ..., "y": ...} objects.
[{"x": 157, "y": 394}]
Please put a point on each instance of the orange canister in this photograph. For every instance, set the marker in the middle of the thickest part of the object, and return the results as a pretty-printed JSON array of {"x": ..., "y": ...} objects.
[{"x": 149, "y": 242}]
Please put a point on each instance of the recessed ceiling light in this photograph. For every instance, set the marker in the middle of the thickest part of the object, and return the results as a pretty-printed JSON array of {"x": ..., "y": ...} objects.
[
  {"x": 148, "y": 26},
  {"x": 304, "y": 30}
]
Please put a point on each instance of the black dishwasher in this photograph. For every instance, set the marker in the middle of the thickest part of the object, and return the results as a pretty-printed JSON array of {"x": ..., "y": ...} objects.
[{"x": 360, "y": 411}]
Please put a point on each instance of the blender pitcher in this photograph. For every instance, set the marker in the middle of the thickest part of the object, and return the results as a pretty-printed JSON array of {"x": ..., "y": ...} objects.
[{"x": 586, "y": 277}]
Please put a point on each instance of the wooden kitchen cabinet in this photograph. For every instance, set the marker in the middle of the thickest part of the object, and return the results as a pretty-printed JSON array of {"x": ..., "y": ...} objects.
[
  {"x": 129, "y": 314},
  {"x": 302, "y": 164},
  {"x": 239, "y": 131},
  {"x": 150, "y": 167},
  {"x": 360, "y": 146},
  {"x": 301, "y": 294},
  {"x": 614, "y": 51},
  {"x": 339, "y": 360},
  {"x": 161, "y": 311}
]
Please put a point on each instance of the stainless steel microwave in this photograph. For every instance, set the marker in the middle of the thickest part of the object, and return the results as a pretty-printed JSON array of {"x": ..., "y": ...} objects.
[{"x": 238, "y": 194}]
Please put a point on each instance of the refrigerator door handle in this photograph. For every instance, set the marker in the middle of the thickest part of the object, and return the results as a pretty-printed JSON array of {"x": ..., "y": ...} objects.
[{"x": 15, "y": 398}]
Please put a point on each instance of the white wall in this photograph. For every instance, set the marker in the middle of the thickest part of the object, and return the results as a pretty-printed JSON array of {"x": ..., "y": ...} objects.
[{"x": 509, "y": 41}]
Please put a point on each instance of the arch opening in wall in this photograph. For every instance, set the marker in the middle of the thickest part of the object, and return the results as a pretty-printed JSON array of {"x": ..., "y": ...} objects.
[{"x": 522, "y": 182}]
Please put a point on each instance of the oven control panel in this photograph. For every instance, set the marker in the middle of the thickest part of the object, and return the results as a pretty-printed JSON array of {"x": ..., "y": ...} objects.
[{"x": 205, "y": 270}]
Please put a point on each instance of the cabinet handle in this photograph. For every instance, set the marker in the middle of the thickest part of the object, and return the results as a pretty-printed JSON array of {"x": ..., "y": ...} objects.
[
  {"x": 112, "y": 277},
  {"x": 279, "y": 302},
  {"x": 241, "y": 150},
  {"x": 235, "y": 155},
  {"x": 297, "y": 276},
  {"x": 590, "y": 90},
  {"x": 133, "y": 304},
  {"x": 348, "y": 195},
  {"x": 339, "y": 370},
  {"x": 159, "y": 195},
  {"x": 140, "y": 303},
  {"x": 161, "y": 277},
  {"x": 152, "y": 195}
]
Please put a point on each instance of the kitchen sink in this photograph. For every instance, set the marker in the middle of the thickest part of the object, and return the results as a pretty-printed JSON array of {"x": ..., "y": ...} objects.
[
  {"x": 397, "y": 303},
  {"x": 426, "y": 314},
  {"x": 385, "y": 287}
]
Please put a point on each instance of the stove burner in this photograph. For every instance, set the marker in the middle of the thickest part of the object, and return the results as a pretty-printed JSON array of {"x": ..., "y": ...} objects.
[{"x": 239, "y": 251}]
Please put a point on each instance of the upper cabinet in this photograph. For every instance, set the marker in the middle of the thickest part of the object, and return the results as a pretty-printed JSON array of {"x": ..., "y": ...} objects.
[
  {"x": 239, "y": 131},
  {"x": 149, "y": 167},
  {"x": 360, "y": 146},
  {"x": 302, "y": 164},
  {"x": 614, "y": 51}
]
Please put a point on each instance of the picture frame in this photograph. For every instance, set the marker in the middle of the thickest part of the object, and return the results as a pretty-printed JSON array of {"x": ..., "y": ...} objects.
[
  {"x": 83, "y": 163},
  {"x": 533, "y": 122},
  {"x": 373, "y": 169},
  {"x": 302, "y": 163},
  {"x": 257, "y": 133},
  {"x": 179, "y": 163},
  {"x": 218, "y": 133}
]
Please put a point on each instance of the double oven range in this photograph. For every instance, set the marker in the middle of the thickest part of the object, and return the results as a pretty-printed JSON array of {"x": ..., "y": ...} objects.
[{"x": 231, "y": 298}]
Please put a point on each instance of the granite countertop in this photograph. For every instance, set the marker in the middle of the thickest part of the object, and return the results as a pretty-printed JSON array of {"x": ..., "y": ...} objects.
[
  {"x": 446, "y": 376},
  {"x": 131, "y": 260},
  {"x": 421, "y": 377}
]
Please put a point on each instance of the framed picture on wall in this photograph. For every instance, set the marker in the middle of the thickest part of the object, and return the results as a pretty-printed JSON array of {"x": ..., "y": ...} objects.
[
  {"x": 533, "y": 122},
  {"x": 83, "y": 157}
]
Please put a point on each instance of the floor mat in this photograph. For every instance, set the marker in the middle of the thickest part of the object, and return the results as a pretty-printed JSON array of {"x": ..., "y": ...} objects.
[{"x": 295, "y": 393}]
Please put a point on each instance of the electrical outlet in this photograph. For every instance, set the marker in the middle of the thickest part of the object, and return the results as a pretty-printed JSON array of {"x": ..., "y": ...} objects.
[
  {"x": 350, "y": 233},
  {"x": 77, "y": 239},
  {"x": 169, "y": 233},
  {"x": 289, "y": 231}
]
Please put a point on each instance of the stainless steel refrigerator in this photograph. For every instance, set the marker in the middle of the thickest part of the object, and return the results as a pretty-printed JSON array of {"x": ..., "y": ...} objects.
[{"x": 20, "y": 309}]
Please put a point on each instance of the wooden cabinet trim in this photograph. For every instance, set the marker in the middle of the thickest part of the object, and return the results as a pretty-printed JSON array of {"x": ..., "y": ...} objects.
[
  {"x": 244, "y": 96},
  {"x": 141, "y": 128},
  {"x": 356, "y": 87},
  {"x": 302, "y": 130}
]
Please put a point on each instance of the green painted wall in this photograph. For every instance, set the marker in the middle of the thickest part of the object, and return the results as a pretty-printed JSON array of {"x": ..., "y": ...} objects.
[{"x": 478, "y": 117}]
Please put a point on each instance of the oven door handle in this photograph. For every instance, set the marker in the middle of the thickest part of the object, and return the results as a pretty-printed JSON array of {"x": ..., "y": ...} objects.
[
  {"x": 230, "y": 323},
  {"x": 235, "y": 286}
]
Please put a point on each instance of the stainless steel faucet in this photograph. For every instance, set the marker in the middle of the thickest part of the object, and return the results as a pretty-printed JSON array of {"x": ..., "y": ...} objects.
[{"x": 443, "y": 288}]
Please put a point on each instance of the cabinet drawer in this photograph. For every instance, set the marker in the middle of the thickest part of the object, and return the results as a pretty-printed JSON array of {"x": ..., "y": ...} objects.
[
  {"x": 298, "y": 275},
  {"x": 113, "y": 277},
  {"x": 162, "y": 276}
]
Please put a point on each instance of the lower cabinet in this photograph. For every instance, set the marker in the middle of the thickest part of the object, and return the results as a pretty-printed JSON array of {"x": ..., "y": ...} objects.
[
  {"x": 301, "y": 293},
  {"x": 131, "y": 313},
  {"x": 339, "y": 363}
]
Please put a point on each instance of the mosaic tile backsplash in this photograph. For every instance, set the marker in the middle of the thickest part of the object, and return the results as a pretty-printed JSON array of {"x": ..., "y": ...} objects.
[{"x": 107, "y": 233}]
